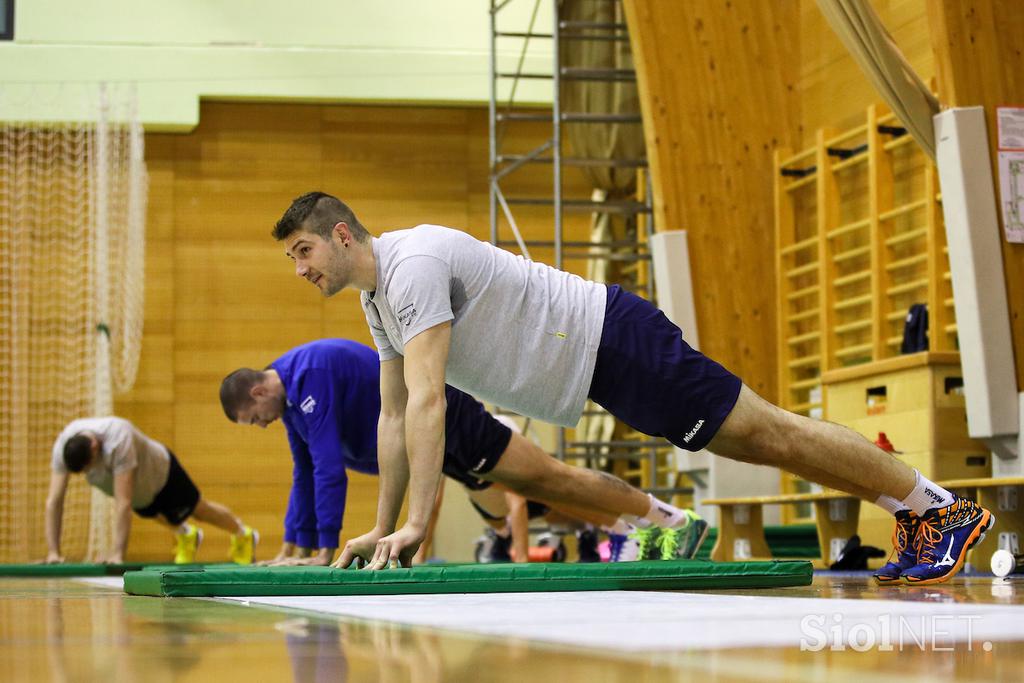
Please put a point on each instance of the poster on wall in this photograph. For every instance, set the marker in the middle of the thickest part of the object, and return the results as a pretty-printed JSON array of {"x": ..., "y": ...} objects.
[{"x": 1010, "y": 122}]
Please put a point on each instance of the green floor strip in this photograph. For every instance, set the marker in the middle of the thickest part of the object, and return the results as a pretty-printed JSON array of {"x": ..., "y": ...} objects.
[
  {"x": 482, "y": 578},
  {"x": 70, "y": 569}
]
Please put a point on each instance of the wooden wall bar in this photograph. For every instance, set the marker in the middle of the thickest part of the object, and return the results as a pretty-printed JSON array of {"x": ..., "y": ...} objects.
[
  {"x": 978, "y": 47},
  {"x": 718, "y": 90},
  {"x": 220, "y": 293}
]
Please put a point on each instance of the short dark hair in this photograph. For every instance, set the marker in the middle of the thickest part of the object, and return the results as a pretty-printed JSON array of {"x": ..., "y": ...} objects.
[
  {"x": 235, "y": 388},
  {"x": 77, "y": 452},
  {"x": 318, "y": 212}
]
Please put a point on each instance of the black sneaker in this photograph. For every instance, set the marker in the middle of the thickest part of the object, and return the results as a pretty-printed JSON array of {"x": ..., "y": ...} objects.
[
  {"x": 492, "y": 548},
  {"x": 586, "y": 546}
]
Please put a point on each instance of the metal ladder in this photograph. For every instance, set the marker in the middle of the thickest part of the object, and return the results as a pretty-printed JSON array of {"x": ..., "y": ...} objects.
[{"x": 503, "y": 165}]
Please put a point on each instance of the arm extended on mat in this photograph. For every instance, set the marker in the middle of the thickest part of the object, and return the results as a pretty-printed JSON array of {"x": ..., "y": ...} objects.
[
  {"x": 423, "y": 554},
  {"x": 426, "y": 356},
  {"x": 124, "y": 485},
  {"x": 55, "y": 515}
]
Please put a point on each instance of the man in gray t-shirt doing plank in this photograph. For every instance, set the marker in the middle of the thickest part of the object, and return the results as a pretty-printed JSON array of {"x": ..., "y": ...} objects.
[
  {"x": 143, "y": 476},
  {"x": 443, "y": 306}
]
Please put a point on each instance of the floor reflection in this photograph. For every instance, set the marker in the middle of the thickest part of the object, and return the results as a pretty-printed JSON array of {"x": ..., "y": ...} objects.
[{"x": 64, "y": 631}]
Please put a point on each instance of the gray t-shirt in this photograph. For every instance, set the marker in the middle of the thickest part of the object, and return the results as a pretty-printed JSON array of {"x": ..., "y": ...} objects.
[
  {"x": 124, "y": 448},
  {"x": 524, "y": 335}
]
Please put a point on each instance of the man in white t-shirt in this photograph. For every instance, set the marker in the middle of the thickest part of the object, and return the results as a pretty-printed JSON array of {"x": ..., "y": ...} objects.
[
  {"x": 143, "y": 476},
  {"x": 443, "y": 306}
]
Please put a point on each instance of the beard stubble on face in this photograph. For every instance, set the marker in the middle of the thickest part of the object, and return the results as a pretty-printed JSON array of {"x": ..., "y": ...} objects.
[{"x": 335, "y": 273}]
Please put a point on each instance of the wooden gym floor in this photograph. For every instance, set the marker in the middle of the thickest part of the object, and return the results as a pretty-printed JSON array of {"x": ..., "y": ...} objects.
[{"x": 80, "y": 630}]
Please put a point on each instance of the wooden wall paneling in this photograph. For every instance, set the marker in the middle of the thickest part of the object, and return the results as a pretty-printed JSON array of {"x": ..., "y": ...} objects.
[
  {"x": 833, "y": 90},
  {"x": 710, "y": 144},
  {"x": 371, "y": 156},
  {"x": 977, "y": 48}
]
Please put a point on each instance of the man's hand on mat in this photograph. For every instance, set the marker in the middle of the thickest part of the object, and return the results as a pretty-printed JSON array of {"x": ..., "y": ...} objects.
[
  {"x": 54, "y": 558},
  {"x": 114, "y": 558},
  {"x": 362, "y": 547},
  {"x": 397, "y": 549}
]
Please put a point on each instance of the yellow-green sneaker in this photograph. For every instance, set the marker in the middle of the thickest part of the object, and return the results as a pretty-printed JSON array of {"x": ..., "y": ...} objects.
[
  {"x": 243, "y": 546},
  {"x": 647, "y": 540},
  {"x": 683, "y": 543},
  {"x": 187, "y": 544}
]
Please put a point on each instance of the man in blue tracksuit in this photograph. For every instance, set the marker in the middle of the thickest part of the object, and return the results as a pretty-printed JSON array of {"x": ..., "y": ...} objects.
[
  {"x": 328, "y": 397},
  {"x": 327, "y": 392}
]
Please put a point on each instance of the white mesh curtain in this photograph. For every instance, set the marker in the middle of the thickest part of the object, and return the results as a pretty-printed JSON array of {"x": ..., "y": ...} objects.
[
  {"x": 860, "y": 29},
  {"x": 72, "y": 241}
]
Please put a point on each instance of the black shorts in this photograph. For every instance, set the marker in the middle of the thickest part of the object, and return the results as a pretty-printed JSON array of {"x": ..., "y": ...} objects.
[
  {"x": 473, "y": 440},
  {"x": 533, "y": 510},
  {"x": 177, "y": 499},
  {"x": 652, "y": 380}
]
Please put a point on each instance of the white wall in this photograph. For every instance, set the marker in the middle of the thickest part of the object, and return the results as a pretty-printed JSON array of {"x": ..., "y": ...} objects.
[{"x": 177, "y": 52}]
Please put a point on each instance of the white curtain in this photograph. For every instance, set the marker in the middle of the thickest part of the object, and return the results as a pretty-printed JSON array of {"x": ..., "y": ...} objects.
[{"x": 860, "y": 29}]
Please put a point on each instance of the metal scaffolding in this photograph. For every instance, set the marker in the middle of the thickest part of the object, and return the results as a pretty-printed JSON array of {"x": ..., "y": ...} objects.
[{"x": 504, "y": 164}]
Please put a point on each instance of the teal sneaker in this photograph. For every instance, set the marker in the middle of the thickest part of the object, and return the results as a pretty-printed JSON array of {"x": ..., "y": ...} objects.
[
  {"x": 647, "y": 542},
  {"x": 695, "y": 533}
]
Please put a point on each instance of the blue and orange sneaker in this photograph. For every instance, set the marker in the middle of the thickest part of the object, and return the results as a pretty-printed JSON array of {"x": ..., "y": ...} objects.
[
  {"x": 904, "y": 548},
  {"x": 943, "y": 538}
]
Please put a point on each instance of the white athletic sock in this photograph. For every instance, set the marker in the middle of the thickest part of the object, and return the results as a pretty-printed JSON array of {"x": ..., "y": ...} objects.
[
  {"x": 890, "y": 504},
  {"x": 620, "y": 528},
  {"x": 183, "y": 528},
  {"x": 664, "y": 515},
  {"x": 927, "y": 495}
]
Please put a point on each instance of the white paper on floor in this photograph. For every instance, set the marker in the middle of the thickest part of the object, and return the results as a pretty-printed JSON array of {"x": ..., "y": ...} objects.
[
  {"x": 115, "y": 582},
  {"x": 647, "y": 621}
]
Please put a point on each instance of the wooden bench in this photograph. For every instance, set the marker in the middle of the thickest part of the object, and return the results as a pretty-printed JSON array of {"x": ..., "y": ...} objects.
[{"x": 741, "y": 524}]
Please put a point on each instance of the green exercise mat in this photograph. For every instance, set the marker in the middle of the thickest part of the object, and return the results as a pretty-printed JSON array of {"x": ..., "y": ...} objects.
[
  {"x": 475, "y": 578},
  {"x": 88, "y": 568}
]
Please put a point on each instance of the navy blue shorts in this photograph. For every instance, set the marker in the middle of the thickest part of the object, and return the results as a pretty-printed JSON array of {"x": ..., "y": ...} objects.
[
  {"x": 473, "y": 440},
  {"x": 652, "y": 380}
]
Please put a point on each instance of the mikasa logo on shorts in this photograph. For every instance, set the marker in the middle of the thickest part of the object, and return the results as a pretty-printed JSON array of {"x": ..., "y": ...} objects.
[
  {"x": 690, "y": 434},
  {"x": 308, "y": 404}
]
